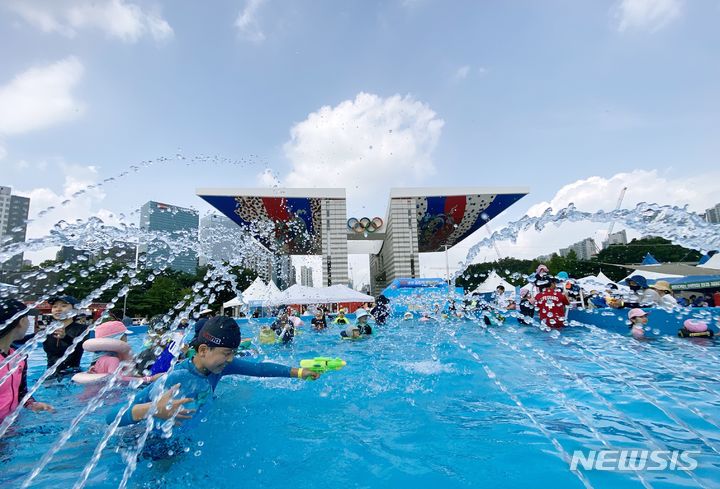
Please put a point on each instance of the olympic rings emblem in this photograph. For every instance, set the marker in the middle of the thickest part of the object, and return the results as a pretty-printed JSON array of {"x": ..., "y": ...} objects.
[{"x": 364, "y": 225}]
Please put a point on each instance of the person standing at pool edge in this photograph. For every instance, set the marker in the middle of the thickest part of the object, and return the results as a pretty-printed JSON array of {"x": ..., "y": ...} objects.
[{"x": 195, "y": 379}]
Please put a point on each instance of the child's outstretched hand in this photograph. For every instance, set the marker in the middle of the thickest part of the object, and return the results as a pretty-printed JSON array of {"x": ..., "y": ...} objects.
[
  {"x": 167, "y": 407},
  {"x": 41, "y": 406}
]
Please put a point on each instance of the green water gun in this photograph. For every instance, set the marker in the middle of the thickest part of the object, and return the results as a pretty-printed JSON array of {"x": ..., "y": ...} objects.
[{"x": 323, "y": 364}]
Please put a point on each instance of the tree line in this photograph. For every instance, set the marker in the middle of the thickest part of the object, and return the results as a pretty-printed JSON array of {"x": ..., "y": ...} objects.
[{"x": 607, "y": 261}]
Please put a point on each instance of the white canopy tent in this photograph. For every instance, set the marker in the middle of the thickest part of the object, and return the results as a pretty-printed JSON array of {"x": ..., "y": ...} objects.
[
  {"x": 256, "y": 293},
  {"x": 236, "y": 302},
  {"x": 492, "y": 282},
  {"x": 713, "y": 262},
  {"x": 272, "y": 292},
  {"x": 343, "y": 293},
  {"x": 253, "y": 293},
  {"x": 300, "y": 294},
  {"x": 652, "y": 275},
  {"x": 593, "y": 282}
]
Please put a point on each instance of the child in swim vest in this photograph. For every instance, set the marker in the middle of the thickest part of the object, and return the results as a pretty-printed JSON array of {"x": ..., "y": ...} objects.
[
  {"x": 341, "y": 319},
  {"x": 638, "y": 320},
  {"x": 14, "y": 387},
  {"x": 107, "y": 361},
  {"x": 694, "y": 328},
  {"x": 362, "y": 321},
  {"x": 188, "y": 390}
]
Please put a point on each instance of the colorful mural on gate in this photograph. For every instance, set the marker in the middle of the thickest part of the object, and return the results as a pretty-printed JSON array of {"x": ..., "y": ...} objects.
[
  {"x": 441, "y": 220},
  {"x": 450, "y": 219},
  {"x": 296, "y": 220}
]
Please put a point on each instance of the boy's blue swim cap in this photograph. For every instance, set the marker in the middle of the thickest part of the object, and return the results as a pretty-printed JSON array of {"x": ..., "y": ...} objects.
[{"x": 220, "y": 331}]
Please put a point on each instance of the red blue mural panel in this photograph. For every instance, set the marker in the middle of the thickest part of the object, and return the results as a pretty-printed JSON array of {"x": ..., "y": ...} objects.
[{"x": 296, "y": 221}]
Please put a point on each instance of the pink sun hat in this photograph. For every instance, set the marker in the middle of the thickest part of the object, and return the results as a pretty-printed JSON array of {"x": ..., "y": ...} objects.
[
  {"x": 110, "y": 329},
  {"x": 636, "y": 313}
]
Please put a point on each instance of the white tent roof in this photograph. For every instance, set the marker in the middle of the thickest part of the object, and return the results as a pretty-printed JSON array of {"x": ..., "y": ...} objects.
[
  {"x": 491, "y": 283},
  {"x": 652, "y": 275},
  {"x": 300, "y": 294},
  {"x": 256, "y": 293},
  {"x": 237, "y": 301},
  {"x": 603, "y": 278},
  {"x": 272, "y": 291},
  {"x": 343, "y": 293},
  {"x": 713, "y": 262}
]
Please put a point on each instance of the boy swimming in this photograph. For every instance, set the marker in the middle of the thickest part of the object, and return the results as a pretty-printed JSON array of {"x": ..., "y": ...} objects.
[{"x": 194, "y": 380}]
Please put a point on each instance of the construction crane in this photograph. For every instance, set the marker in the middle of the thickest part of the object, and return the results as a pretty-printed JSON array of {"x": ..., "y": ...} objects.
[
  {"x": 612, "y": 223},
  {"x": 619, "y": 203}
]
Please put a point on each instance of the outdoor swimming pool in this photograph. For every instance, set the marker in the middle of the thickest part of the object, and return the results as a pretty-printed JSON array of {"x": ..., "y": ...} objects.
[{"x": 450, "y": 404}]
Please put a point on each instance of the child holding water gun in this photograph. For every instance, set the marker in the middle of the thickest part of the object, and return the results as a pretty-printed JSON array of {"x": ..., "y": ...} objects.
[
  {"x": 190, "y": 386},
  {"x": 193, "y": 381}
]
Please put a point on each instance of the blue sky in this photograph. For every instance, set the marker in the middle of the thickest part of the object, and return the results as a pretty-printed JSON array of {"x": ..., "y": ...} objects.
[{"x": 542, "y": 94}]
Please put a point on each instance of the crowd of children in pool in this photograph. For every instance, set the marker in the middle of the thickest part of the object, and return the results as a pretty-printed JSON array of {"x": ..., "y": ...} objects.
[{"x": 213, "y": 347}]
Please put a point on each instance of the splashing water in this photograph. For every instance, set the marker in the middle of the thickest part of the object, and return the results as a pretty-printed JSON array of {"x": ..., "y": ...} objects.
[{"x": 584, "y": 369}]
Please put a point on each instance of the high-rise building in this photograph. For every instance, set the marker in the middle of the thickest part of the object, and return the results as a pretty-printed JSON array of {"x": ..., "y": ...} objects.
[
  {"x": 584, "y": 249},
  {"x": 712, "y": 214},
  {"x": 619, "y": 238},
  {"x": 13, "y": 224},
  {"x": 283, "y": 273},
  {"x": 68, "y": 253},
  {"x": 217, "y": 238},
  {"x": 306, "y": 276},
  {"x": 180, "y": 223},
  {"x": 222, "y": 240}
]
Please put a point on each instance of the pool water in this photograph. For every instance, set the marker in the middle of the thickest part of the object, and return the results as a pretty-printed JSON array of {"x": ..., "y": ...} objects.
[{"x": 450, "y": 404}]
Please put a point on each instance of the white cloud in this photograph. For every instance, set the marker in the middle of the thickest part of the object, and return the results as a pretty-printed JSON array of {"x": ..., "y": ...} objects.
[
  {"x": 365, "y": 145},
  {"x": 650, "y": 15},
  {"x": 268, "y": 179},
  {"x": 40, "y": 97},
  {"x": 247, "y": 22},
  {"x": 462, "y": 72},
  {"x": 76, "y": 178},
  {"x": 117, "y": 18},
  {"x": 589, "y": 194},
  {"x": 3, "y": 152}
]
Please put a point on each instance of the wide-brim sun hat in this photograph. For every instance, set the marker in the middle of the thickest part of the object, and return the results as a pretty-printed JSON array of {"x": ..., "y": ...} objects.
[
  {"x": 361, "y": 313},
  {"x": 662, "y": 285},
  {"x": 638, "y": 279},
  {"x": 111, "y": 328}
]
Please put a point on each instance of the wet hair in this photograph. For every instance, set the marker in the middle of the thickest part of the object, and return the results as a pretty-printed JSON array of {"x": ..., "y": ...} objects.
[
  {"x": 501, "y": 287},
  {"x": 5, "y": 330}
]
